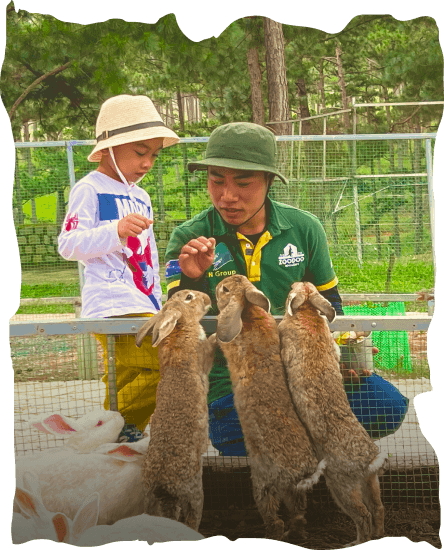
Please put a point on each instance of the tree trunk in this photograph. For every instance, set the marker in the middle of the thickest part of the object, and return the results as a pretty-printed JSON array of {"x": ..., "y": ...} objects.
[
  {"x": 180, "y": 109},
  {"x": 257, "y": 102},
  {"x": 341, "y": 82},
  {"x": 278, "y": 105},
  {"x": 321, "y": 84},
  {"x": 172, "y": 118},
  {"x": 303, "y": 104}
]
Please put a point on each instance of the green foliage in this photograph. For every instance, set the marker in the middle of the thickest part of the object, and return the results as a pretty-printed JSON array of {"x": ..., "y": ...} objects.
[
  {"x": 384, "y": 60},
  {"x": 408, "y": 276}
]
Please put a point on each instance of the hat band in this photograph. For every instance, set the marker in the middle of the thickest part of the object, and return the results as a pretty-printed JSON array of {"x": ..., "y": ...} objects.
[{"x": 110, "y": 133}]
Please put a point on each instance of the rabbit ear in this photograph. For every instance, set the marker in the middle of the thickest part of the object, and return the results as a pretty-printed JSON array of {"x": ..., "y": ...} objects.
[
  {"x": 160, "y": 326},
  {"x": 295, "y": 300},
  {"x": 323, "y": 305},
  {"x": 125, "y": 453},
  {"x": 86, "y": 516},
  {"x": 165, "y": 325},
  {"x": 61, "y": 527},
  {"x": 257, "y": 298},
  {"x": 145, "y": 330},
  {"x": 54, "y": 424},
  {"x": 229, "y": 322},
  {"x": 30, "y": 504}
]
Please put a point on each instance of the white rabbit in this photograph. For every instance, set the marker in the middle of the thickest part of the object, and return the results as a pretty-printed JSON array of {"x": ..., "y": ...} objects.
[
  {"x": 142, "y": 527},
  {"x": 38, "y": 523},
  {"x": 113, "y": 470},
  {"x": 86, "y": 433},
  {"x": 172, "y": 471},
  {"x": 83, "y": 529}
]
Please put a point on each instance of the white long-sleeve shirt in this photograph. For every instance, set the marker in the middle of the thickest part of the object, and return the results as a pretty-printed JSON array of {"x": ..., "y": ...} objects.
[{"x": 121, "y": 276}]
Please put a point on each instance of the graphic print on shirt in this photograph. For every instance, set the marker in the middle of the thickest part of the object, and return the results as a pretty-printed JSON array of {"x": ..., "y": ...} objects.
[
  {"x": 72, "y": 221},
  {"x": 116, "y": 207},
  {"x": 291, "y": 256},
  {"x": 137, "y": 252},
  {"x": 138, "y": 259}
]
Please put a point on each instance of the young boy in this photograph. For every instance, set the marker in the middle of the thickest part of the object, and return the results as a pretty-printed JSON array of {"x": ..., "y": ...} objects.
[{"x": 108, "y": 228}]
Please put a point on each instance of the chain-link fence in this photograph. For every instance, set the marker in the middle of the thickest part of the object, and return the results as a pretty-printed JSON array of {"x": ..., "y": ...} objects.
[
  {"x": 371, "y": 192},
  {"x": 58, "y": 366}
]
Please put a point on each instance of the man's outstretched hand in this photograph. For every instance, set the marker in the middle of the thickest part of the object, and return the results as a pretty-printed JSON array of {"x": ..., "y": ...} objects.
[{"x": 197, "y": 256}]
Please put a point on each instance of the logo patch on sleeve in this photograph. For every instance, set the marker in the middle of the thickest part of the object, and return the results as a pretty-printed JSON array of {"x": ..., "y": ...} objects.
[
  {"x": 222, "y": 256},
  {"x": 172, "y": 268},
  {"x": 72, "y": 221}
]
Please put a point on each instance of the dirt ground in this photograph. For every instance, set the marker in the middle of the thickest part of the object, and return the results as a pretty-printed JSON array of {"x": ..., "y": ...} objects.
[
  {"x": 410, "y": 498},
  {"x": 325, "y": 529}
]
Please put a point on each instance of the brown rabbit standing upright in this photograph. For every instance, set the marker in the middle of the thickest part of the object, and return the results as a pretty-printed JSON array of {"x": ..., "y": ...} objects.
[
  {"x": 349, "y": 458},
  {"x": 172, "y": 471},
  {"x": 279, "y": 450}
]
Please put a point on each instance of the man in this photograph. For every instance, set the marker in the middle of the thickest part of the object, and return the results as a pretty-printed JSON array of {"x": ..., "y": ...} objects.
[{"x": 246, "y": 232}]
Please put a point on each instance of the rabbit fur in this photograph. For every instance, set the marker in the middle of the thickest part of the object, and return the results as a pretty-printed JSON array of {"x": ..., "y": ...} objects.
[
  {"x": 349, "y": 458},
  {"x": 142, "y": 527},
  {"x": 172, "y": 471},
  {"x": 83, "y": 530},
  {"x": 114, "y": 470},
  {"x": 279, "y": 450},
  {"x": 34, "y": 521}
]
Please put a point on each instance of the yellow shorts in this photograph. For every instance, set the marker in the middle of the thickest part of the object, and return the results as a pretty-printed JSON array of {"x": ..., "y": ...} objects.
[{"x": 137, "y": 376}]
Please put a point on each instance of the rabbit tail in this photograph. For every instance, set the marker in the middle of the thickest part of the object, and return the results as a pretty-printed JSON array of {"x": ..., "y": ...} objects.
[
  {"x": 379, "y": 464},
  {"x": 308, "y": 483}
]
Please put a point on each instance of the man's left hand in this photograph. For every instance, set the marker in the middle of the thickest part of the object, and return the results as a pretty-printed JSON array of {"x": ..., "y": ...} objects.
[{"x": 351, "y": 376}]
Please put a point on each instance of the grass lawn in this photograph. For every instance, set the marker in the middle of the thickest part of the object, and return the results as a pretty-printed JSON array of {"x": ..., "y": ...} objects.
[{"x": 408, "y": 276}]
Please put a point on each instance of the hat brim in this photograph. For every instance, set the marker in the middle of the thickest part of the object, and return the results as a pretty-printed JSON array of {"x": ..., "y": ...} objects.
[
  {"x": 169, "y": 138},
  {"x": 234, "y": 164}
]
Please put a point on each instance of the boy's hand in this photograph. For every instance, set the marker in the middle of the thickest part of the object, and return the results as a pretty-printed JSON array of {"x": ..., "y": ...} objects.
[
  {"x": 197, "y": 256},
  {"x": 132, "y": 225}
]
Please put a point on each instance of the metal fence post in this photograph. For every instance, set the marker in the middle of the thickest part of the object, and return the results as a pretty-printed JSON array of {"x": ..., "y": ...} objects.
[
  {"x": 112, "y": 380},
  {"x": 355, "y": 193},
  {"x": 429, "y": 164}
]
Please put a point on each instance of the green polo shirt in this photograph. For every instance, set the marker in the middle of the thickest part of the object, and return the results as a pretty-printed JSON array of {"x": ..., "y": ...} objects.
[{"x": 293, "y": 248}]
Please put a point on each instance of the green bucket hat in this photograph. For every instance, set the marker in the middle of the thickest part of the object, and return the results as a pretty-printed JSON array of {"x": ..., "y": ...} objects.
[{"x": 241, "y": 146}]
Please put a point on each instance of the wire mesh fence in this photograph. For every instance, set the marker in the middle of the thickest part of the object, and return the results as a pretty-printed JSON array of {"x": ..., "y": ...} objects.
[
  {"x": 59, "y": 366},
  {"x": 371, "y": 192}
]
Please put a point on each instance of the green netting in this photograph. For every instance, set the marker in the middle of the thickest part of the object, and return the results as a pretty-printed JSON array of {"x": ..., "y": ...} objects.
[{"x": 394, "y": 351}]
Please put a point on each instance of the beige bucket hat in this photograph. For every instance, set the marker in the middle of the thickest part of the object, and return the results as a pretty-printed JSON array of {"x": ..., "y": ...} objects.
[{"x": 126, "y": 119}]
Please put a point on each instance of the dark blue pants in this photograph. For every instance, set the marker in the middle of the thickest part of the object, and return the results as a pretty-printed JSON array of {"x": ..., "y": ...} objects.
[{"x": 377, "y": 404}]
